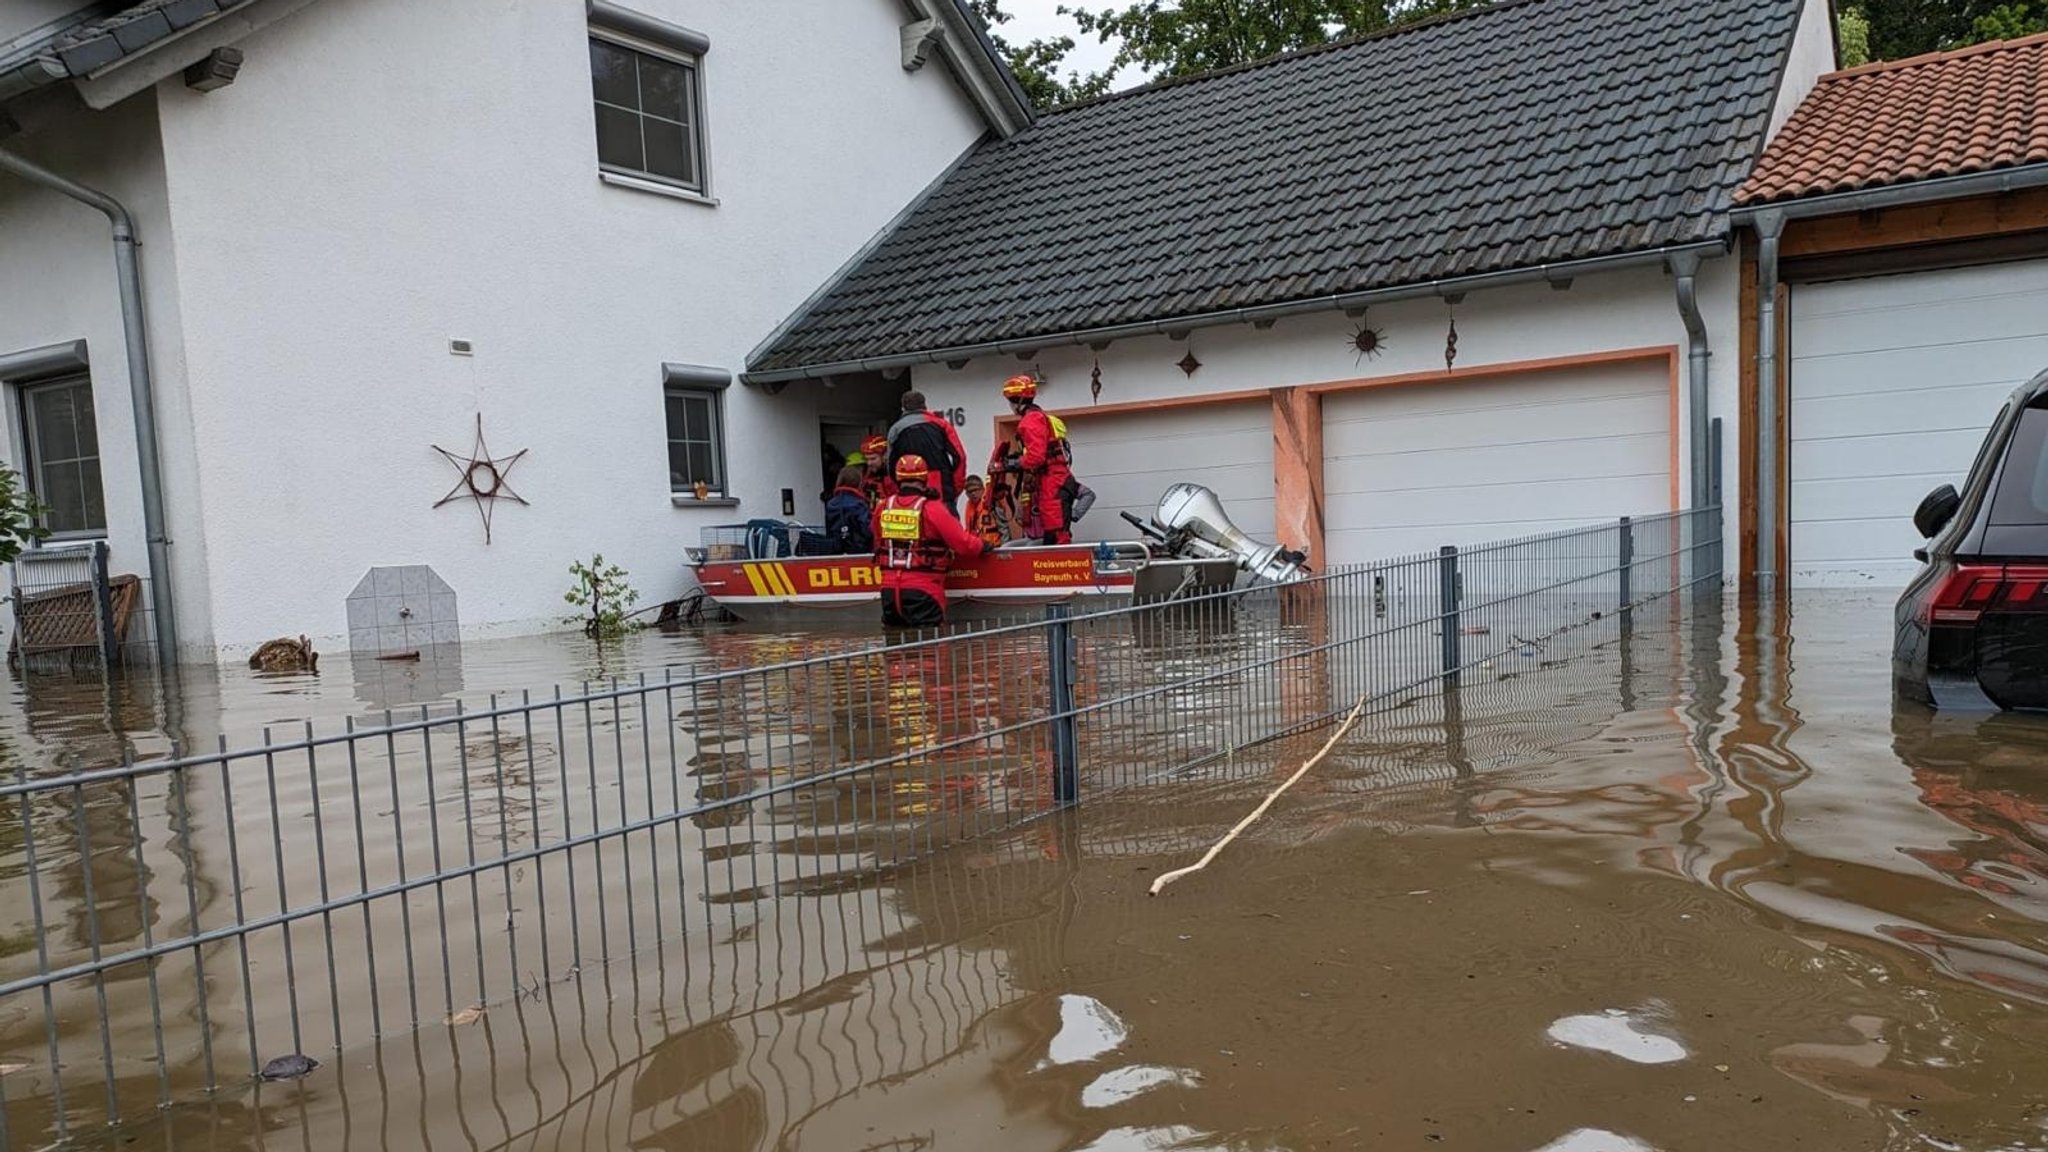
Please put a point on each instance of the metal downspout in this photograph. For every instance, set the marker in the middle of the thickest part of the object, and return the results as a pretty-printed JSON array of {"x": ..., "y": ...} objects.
[
  {"x": 142, "y": 394},
  {"x": 1770, "y": 226},
  {"x": 1685, "y": 267}
]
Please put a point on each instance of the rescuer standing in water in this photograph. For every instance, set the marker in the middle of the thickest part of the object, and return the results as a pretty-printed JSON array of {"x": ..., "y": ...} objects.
[{"x": 916, "y": 541}]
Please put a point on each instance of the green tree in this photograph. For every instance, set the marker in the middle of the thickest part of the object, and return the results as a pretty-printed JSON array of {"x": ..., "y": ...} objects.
[
  {"x": 1180, "y": 37},
  {"x": 1038, "y": 64},
  {"x": 21, "y": 516},
  {"x": 1853, "y": 44},
  {"x": 1901, "y": 28},
  {"x": 2010, "y": 22}
]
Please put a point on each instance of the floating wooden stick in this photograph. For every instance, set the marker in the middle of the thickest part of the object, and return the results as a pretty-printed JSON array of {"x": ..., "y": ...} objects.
[{"x": 1166, "y": 878}]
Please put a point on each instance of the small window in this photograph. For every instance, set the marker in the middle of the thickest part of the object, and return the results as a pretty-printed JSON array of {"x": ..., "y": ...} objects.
[
  {"x": 2022, "y": 498},
  {"x": 647, "y": 113},
  {"x": 696, "y": 441},
  {"x": 64, "y": 454}
]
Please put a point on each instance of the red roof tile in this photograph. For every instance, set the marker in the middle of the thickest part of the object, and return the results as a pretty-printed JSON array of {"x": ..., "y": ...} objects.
[{"x": 1943, "y": 114}]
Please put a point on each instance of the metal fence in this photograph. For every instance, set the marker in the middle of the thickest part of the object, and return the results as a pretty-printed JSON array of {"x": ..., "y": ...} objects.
[{"x": 171, "y": 926}]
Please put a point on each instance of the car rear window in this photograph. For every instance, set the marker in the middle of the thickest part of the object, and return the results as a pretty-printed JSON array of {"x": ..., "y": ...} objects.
[{"x": 2022, "y": 497}]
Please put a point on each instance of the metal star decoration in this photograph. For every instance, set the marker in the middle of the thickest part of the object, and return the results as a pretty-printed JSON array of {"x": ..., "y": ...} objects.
[{"x": 482, "y": 477}]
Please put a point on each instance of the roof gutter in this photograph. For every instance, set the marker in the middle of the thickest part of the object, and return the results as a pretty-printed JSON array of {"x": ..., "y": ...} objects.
[
  {"x": 1897, "y": 195},
  {"x": 961, "y": 353},
  {"x": 135, "y": 334}
]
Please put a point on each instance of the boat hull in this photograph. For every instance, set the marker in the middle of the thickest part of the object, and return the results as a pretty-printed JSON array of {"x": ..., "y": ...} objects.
[{"x": 1011, "y": 582}]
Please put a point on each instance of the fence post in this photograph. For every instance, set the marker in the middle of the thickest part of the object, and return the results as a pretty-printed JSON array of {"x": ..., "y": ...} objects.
[
  {"x": 1714, "y": 492},
  {"x": 1447, "y": 600},
  {"x": 103, "y": 606},
  {"x": 1627, "y": 564},
  {"x": 1066, "y": 767}
]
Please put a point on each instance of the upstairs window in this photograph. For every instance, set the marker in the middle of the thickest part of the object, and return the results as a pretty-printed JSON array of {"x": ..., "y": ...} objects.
[
  {"x": 64, "y": 454},
  {"x": 649, "y": 119}
]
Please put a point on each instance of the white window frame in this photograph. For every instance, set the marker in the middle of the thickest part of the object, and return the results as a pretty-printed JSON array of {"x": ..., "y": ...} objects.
[
  {"x": 714, "y": 398},
  {"x": 633, "y": 32},
  {"x": 32, "y": 459}
]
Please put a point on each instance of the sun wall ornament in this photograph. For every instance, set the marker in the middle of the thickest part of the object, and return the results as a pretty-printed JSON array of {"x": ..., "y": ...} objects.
[
  {"x": 482, "y": 477},
  {"x": 1367, "y": 341}
]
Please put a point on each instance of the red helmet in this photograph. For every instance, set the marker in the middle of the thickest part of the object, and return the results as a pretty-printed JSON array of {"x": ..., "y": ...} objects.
[
  {"x": 911, "y": 466},
  {"x": 1020, "y": 388},
  {"x": 875, "y": 446}
]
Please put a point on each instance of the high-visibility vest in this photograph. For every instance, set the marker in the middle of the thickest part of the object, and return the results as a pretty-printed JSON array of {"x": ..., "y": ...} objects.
[{"x": 903, "y": 543}]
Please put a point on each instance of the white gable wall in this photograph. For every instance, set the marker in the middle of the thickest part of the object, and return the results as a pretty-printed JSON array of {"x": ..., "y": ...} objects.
[
  {"x": 384, "y": 176},
  {"x": 1813, "y": 53},
  {"x": 1609, "y": 312}
]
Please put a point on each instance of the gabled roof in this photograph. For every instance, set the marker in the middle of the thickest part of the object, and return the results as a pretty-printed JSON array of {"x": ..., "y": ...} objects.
[
  {"x": 1943, "y": 114},
  {"x": 98, "y": 36},
  {"x": 1529, "y": 132}
]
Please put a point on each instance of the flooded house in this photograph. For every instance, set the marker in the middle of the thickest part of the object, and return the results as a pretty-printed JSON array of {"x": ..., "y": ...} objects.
[
  {"x": 541, "y": 237},
  {"x": 434, "y": 296}
]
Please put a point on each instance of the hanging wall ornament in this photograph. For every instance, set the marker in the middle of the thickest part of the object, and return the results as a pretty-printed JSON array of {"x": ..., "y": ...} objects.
[
  {"x": 1095, "y": 383},
  {"x": 1367, "y": 341},
  {"x": 482, "y": 477},
  {"x": 1188, "y": 363},
  {"x": 1451, "y": 340}
]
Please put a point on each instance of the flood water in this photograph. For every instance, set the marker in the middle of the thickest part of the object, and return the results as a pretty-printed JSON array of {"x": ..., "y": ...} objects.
[{"x": 1705, "y": 889}]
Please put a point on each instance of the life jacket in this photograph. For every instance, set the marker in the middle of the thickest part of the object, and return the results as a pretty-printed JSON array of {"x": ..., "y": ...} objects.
[
  {"x": 902, "y": 541},
  {"x": 986, "y": 517},
  {"x": 1058, "y": 451}
]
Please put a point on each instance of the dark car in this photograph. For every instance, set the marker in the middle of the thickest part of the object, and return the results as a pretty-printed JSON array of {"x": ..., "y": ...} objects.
[{"x": 1972, "y": 627}]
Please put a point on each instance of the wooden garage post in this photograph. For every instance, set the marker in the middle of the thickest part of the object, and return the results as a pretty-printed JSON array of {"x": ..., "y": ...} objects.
[{"x": 1298, "y": 471}]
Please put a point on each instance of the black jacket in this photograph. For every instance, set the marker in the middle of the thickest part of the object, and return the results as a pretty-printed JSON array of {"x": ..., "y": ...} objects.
[{"x": 917, "y": 433}]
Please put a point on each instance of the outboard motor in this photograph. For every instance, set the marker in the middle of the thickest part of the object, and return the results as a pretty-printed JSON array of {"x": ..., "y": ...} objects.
[{"x": 1194, "y": 523}]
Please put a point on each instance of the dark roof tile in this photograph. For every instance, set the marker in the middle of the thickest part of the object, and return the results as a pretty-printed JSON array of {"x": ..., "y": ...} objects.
[{"x": 1529, "y": 132}]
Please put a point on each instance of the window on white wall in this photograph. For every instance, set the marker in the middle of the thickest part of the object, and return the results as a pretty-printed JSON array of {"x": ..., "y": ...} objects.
[
  {"x": 63, "y": 450},
  {"x": 696, "y": 441},
  {"x": 649, "y": 110}
]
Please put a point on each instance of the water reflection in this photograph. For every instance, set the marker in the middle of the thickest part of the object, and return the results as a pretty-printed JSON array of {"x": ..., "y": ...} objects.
[{"x": 1698, "y": 886}]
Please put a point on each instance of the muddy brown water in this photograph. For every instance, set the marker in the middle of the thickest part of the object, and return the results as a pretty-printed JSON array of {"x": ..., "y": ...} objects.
[{"x": 1703, "y": 890}]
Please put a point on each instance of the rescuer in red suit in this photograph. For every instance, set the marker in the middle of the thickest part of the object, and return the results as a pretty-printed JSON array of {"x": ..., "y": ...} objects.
[
  {"x": 916, "y": 540},
  {"x": 1043, "y": 459},
  {"x": 875, "y": 482}
]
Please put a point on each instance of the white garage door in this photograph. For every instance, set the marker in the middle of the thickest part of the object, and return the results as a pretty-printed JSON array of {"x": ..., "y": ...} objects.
[
  {"x": 1131, "y": 459},
  {"x": 1412, "y": 468},
  {"x": 1894, "y": 380}
]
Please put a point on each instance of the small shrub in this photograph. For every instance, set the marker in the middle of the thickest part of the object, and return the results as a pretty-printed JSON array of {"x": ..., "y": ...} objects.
[
  {"x": 21, "y": 516},
  {"x": 602, "y": 593}
]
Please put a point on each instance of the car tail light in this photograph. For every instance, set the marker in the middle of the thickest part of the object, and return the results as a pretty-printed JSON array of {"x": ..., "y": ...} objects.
[{"x": 1967, "y": 591}]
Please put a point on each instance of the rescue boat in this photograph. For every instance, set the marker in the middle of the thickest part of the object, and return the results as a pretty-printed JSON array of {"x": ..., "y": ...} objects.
[{"x": 762, "y": 571}]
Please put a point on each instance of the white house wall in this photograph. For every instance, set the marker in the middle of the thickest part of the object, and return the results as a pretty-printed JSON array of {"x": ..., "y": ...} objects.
[
  {"x": 385, "y": 176},
  {"x": 1609, "y": 312},
  {"x": 58, "y": 281}
]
